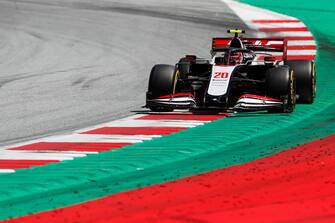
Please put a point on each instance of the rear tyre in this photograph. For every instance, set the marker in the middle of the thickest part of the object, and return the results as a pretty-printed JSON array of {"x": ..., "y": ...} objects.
[
  {"x": 281, "y": 84},
  {"x": 304, "y": 71},
  {"x": 161, "y": 82}
]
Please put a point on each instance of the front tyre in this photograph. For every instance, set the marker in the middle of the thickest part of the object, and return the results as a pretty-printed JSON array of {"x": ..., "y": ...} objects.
[{"x": 162, "y": 82}]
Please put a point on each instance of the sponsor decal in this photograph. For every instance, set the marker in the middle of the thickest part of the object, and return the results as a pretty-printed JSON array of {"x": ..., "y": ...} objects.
[
  {"x": 221, "y": 75},
  {"x": 220, "y": 80}
]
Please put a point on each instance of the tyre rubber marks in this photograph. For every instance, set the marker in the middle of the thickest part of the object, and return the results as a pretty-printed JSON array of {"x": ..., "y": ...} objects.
[{"x": 111, "y": 135}]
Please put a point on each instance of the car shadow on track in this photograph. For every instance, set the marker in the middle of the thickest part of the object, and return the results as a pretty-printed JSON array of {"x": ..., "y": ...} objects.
[{"x": 206, "y": 112}]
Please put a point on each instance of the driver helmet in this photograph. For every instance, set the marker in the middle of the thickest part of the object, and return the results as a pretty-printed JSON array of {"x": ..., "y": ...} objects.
[{"x": 236, "y": 58}]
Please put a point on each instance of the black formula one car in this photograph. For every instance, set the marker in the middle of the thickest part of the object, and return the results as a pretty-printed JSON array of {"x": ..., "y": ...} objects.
[{"x": 243, "y": 74}]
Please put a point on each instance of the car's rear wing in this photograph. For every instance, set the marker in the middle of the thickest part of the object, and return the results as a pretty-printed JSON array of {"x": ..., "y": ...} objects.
[{"x": 275, "y": 46}]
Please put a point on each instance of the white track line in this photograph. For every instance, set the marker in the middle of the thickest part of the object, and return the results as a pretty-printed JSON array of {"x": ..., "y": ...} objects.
[
  {"x": 249, "y": 13},
  {"x": 288, "y": 34},
  {"x": 7, "y": 171},
  {"x": 51, "y": 138},
  {"x": 301, "y": 52},
  {"x": 100, "y": 138},
  {"x": 53, "y": 151},
  {"x": 130, "y": 121},
  {"x": 23, "y": 155},
  {"x": 133, "y": 117},
  {"x": 301, "y": 43},
  {"x": 154, "y": 123},
  {"x": 50, "y": 154},
  {"x": 279, "y": 25}
]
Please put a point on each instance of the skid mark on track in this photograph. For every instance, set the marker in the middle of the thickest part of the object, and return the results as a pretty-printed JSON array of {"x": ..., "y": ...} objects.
[
  {"x": 23, "y": 76},
  {"x": 78, "y": 81},
  {"x": 88, "y": 83}
]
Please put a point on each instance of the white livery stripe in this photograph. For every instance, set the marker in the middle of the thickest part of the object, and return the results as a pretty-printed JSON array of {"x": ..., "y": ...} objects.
[
  {"x": 219, "y": 82},
  {"x": 257, "y": 101},
  {"x": 176, "y": 99},
  {"x": 255, "y": 105}
]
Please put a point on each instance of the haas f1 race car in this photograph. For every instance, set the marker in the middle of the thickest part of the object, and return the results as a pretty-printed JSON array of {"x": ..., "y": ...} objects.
[{"x": 243, "y": 74}]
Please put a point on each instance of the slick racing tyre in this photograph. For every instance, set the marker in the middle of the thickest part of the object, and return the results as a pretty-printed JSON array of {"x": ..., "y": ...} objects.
[
  {"x": 161, "y": 82},
  {"x": 281, "y": 84},
  {"x": 304, "y": 71}
]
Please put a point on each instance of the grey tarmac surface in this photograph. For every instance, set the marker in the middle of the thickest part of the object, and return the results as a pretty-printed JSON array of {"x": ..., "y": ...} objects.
[{"x": 66, "y": 64}]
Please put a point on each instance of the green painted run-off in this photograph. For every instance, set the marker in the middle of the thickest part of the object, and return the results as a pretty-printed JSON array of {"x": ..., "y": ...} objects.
[{"x": 222, "y": 143}]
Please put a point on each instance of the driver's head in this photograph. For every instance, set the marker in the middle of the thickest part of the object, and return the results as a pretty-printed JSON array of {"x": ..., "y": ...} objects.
[{"x": 235, "y": 58}]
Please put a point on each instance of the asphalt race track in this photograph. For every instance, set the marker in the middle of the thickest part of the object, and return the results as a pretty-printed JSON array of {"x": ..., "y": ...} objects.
[
  {"x": 65, "y": 64},
  {"x": 74, "y": 148}
]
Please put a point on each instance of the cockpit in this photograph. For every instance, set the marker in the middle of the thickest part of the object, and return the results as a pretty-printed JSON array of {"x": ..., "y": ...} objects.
[{"x": 232, "y": 57}]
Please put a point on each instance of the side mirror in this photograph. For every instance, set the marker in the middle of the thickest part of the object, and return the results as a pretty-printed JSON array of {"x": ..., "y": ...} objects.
[{"x": 184, "y": 67}]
